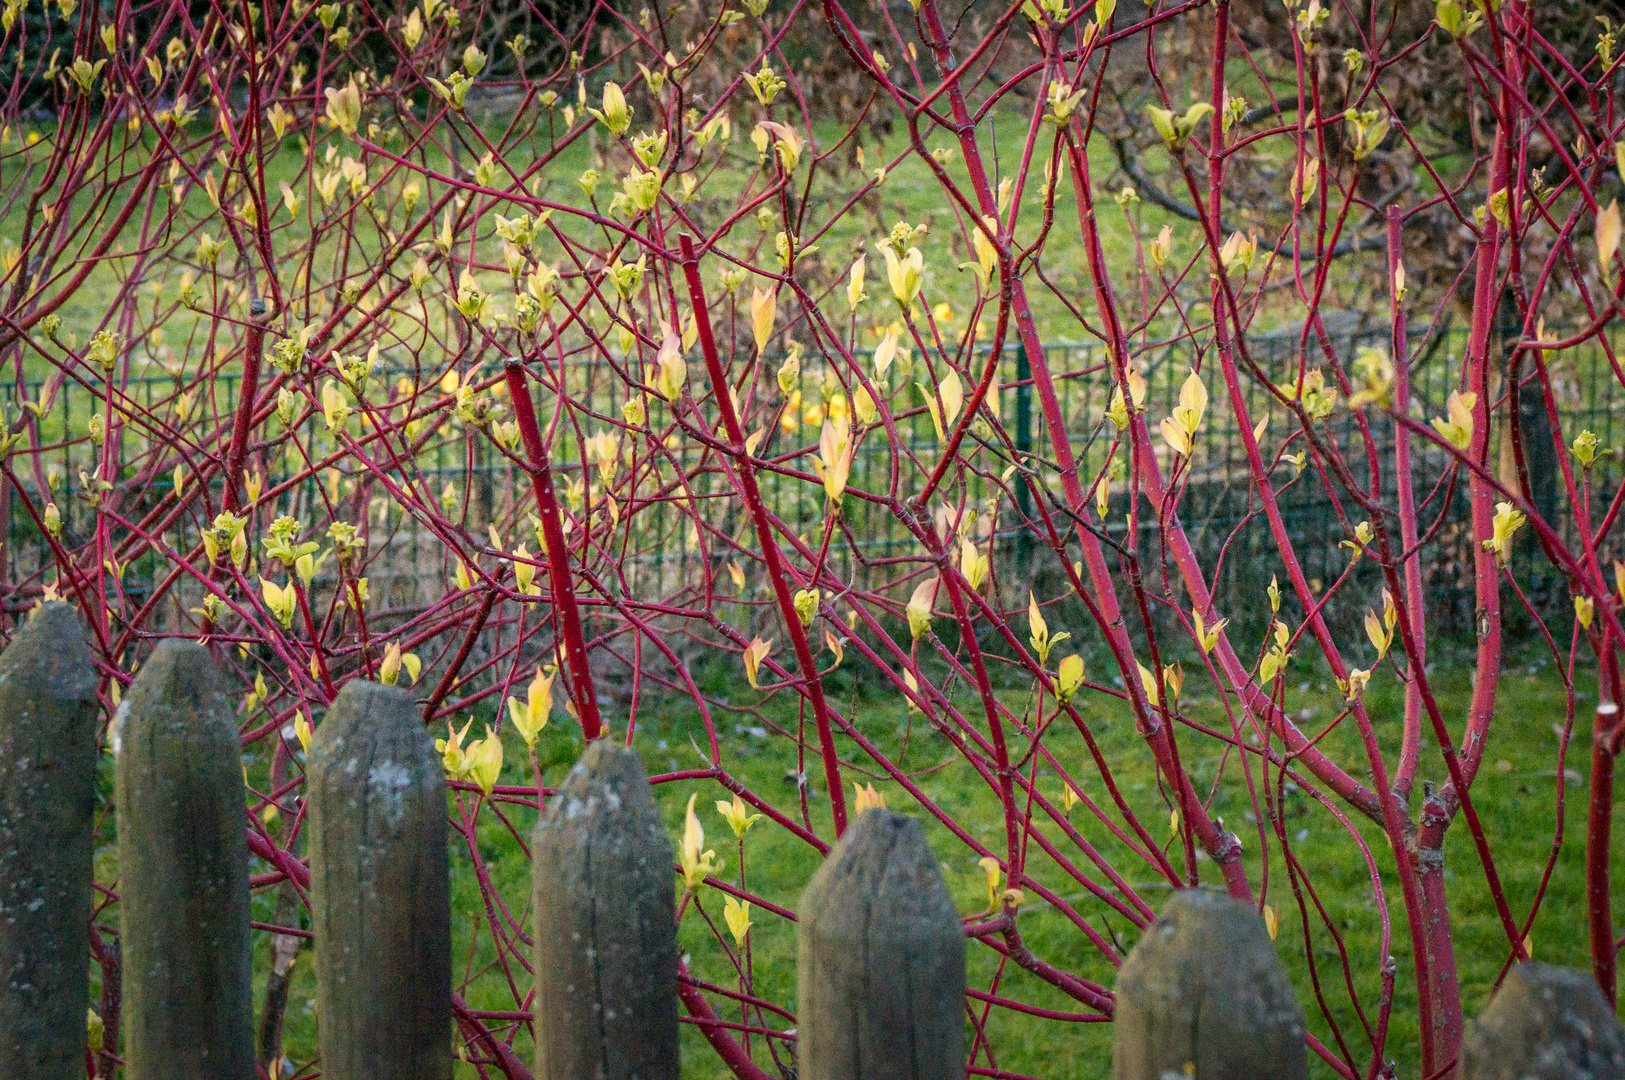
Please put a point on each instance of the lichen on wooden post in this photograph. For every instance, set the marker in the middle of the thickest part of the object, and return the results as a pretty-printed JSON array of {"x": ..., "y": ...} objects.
[
  {"x": 881, "y": 957},
  {"x": 606, "y": 938},
  {"x": 1203, "y": 994},
  {"x": 1545, "y": 1023},
  {"x": 380, "y": 894},
  {"x": 188, "y": 1003},
  {"x": 47, "y": 814}
]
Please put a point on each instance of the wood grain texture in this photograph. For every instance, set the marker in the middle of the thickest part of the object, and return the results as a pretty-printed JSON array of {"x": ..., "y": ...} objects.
[
  {"x": 606, "y": 937},
  {"x": 1204, "y": 994},
  {"x": 188, "y": 1003},
  {"x": 380, "y": 893},
  {"x": 881, "y": 957},
  {"x": 1545, "y": 1023},
  {"x": 47, "y": 807}
]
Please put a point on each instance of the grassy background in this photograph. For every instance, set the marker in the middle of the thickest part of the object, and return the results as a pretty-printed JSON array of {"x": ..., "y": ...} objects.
[{"x": 1516, "y": 797}]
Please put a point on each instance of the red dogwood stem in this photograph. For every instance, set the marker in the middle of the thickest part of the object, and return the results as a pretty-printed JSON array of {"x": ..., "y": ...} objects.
[
  {"x": 558, "y": 554},
  {"x": 732, "y": 1054},
  {"x": 1411, "y": 740},
  {"x": 247, "y": 391},
  {"x": 764, "y": 534},
  {"x": 1605, "y": 738}
]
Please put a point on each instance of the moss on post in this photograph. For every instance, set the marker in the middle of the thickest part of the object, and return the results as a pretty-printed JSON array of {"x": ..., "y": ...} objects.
[
  {"x": 1203, "y": 994},
  {"x": 47, "y": 808},
  {"x": 183, "y": 875},
  {"x": 1545, "y": 1023},
  {"x": 606, "y": 937},
  {"x": 881, "y": 957},
  {"x": 380, "y": 894}
]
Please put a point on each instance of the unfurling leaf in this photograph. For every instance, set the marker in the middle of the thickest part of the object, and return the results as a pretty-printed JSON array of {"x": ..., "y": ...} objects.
[
  {"x": 530, "y": 716},
  {"x": 1380, "y": 636},
  {"x": 1207, "y": 636},
  {"x": 1608, "y": 236},
  {"x": 1508, "y": 520},
  {"x": 973, "y": 563},
  {"x": 763, "y": 307},
  {"x": 484, "y": 761},
  {"x": 865, "y": 797},
  {"x": 696, "y": 864},
  {"x": 344, "y": 106},
  {"x": 755, "y": 653},
  {"x": 1068, "y": 677},
  {"x": 806, "y": 605},
  {"x": 737, "y": 814},
  {"x": 1457, "y": 426},
  {"x": 1038, "y": 632},
  {"x": 672, "y": 374},
  {"x": 834, "y": 461},
  {"x": 945, "y": 404},
  {"x": 990, "y": 867},
  {"x": 1179, "y": 430},
  {"x": 904, "y": 274},
  {"x": 736, "y": 913},
  {"x": 920, "y": 605}
]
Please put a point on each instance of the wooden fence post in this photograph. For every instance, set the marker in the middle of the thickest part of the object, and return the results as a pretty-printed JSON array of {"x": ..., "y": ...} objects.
[
  {"x": 881, "y": 960},
  {"x": 606, "y": 935},
  {"x": 183, "y": 875},
  {"x": 1545, "y": 1023},
  {"x": 47, "y": 813},
  {"x": 1203, "y": 994},
  {"x": 380, "y": 902}
]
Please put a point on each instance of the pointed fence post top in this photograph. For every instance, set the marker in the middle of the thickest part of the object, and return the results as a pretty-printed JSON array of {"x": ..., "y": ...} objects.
[
  {"x": 608, "y": 779},
  {"x": 48, "y": 730},
  {"x": 366, "y": 694},
  {"x": 1203, "y": 990},
  {"x": 881, "y": 956},
  {"x": 180, "y": 674},
  {"x": 183, "y": 873},
  {"x": 49, "y": 655},
  {"x": 380, "y": 899},
  {"x": 363, "y": 707},
  {"x": 605, "y": 926},
  {"x": 880, "y": 878},
  {"x": 1545, "y": 1023}
]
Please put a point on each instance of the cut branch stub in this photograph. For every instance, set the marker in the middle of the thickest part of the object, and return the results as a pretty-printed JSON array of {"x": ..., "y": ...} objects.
[
  {"x": 183, "y": 874},
  {"x": 380, "y": 902},
  {"x": 1204, "y": 994},
  {"x": 881, "y": 957},
  {"x": 606, "y": 937},
  {"x": 47, "y": 808},
  {"x": 1545, "y": 1023}
]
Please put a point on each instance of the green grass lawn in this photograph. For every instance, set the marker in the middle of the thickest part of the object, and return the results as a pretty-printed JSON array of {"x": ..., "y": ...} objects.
[
  {"x": 1515, "y": 796},
  {"x": 1516, "y": 793}
]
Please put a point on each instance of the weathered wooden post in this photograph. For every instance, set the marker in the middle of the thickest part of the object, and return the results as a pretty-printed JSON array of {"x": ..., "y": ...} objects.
[
  {"x": 1545, "y": 1023},
  {"x": 380, "y": 894},
  {"x": 47, "y": 813},
  {"x": 1203, "y": 994},
  {"x": 606, "y": 936},
  {"x": 881, "y": 960},
  {"x": 183, "y": 874}
]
